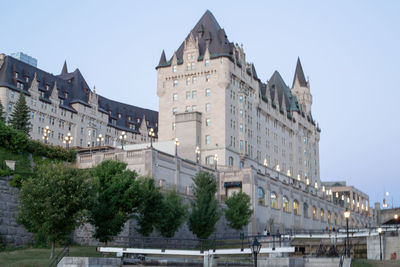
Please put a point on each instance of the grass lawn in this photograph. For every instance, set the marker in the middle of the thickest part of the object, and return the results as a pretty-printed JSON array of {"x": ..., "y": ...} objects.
[
  {"x": 373, "y": 263},
  {"x": 35, "y": 257}
]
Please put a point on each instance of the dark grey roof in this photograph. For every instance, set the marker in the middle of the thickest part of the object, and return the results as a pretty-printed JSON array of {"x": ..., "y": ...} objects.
[
  {"x": 163, "y": 59},
  {"x": 208, "y": 32},
  {"x": 72, "y": 88},
  {"x": 277, "y": 83},
  {"x": 126, "y": 111},
  {"x": 299, "y": 74},
  {"x": 64, "y": 69}
]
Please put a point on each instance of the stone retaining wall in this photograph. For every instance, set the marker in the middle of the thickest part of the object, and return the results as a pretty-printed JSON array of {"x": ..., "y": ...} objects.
[{"x": 11, "y": 232}]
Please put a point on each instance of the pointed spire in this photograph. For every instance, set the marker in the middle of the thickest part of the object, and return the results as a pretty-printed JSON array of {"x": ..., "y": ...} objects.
[
  {"x": 163, "y": 59},
  {"x": 64, "y": 69},
  {"x": 299, "y": 75}
]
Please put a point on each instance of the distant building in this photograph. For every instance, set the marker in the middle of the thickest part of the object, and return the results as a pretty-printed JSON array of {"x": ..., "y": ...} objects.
[
  {"x": 66, "y": 104},
  {"x": 25, "y": 58}
]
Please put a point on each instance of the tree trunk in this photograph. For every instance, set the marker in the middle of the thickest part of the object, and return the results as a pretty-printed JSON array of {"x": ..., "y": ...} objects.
[{"x": 53, "y": 246}]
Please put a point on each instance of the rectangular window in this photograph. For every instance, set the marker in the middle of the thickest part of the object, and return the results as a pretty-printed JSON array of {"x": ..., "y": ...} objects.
[
  {"x": 207, "y": 62},
  {"x": 207, "y": 139},
  {"x": 207, "y": 77},
  {"x": 188, "y": 66},
  {"x": 175, "y": 97},
  {"x": 175, "y": 83},
  {"x": 174, "y": 68},
  {"x": 194, "y": 108},
  {"x": 208, "y": 92},
  {"x": 187, "y": 95},
  {"x": 173, "y": 126},
  {"x": 194, "y": 79},
  {"x": 194, "y": 94},
  {"x": 188, "y": 79},
  {"x": 208, "y": 122},
  {"x": 187, "y": 108},
  {"x": 174, "y": 110}
]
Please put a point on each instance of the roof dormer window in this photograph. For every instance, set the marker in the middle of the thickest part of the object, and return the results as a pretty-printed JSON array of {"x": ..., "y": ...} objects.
[
  {"x": 27, "y": 79},
  {"x": 119, "y": 115},
  {"x": 16, "y": 75},
  {"x": 47, "y": 87}
]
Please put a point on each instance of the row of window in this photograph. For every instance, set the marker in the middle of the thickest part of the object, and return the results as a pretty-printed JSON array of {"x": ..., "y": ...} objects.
[
  {"x": 192, "y": 65},
  {"x": 192, "y": 80}
]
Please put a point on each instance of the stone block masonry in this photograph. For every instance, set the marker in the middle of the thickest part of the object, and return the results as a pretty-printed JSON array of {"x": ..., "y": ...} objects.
[{"x": 11, "y": 232}]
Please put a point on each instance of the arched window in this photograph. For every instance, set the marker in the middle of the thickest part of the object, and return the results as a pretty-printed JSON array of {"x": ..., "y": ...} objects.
[
  {"x": 260, "y": 196},
  {"x": 329, "y": 217},
  {"x": 305, "y": 209},
  {"x": 296, "y": 207},
  {"x": 314, "y": 213},
  {"x": 336, "y": 219},
  {"x": 274, "y": 200},
  {"x": 322, "y": 214},
  {"x": 285, "y": 204},
  {"x": 230, "y": 161}
]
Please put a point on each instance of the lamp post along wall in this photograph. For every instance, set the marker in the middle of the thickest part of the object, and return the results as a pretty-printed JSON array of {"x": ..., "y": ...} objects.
[
  {"x": 46, "y": 133},
  {"x": 151, "y": 135},
  {"x": 68, "y": 140},
  {"x": 176, "y": 146},
  {"x": 122, "y": 137},
  {"x": 347, "y": 216},
  {"x": 380, "y": 242}
]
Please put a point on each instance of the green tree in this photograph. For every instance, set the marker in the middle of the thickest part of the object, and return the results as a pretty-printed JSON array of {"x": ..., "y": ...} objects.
[
  {"x": 116, "y": 196},
  {"x": 150, "y": 207},
  {"x": 238, "y": 211},
  {"x": 205, "y": 207},
  {"x": 173, "y": 214},
  {"x": 52, "y": 202},
  {"x": 20, "y": 119},
  {"x": 2, "y": 118}
]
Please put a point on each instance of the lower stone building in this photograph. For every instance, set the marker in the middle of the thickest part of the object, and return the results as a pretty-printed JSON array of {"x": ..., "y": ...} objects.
[{"x": 279, "y": 201}]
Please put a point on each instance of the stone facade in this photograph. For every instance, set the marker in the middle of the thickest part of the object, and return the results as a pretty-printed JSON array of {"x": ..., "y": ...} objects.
[
  {"x": 11, "y": 232},
  {"x": 240, "y": 119},
  {"x": 279, "y": 201}
]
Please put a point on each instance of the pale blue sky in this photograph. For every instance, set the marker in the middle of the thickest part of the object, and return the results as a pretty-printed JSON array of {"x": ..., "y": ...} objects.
[{"x": 349, "y": 49}]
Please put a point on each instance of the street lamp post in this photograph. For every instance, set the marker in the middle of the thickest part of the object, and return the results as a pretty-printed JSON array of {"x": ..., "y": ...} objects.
[
  {"x": 396, "y": 218},
  {"x": 46, "y": 133},
  {"x": 100, "y": 139},
  {"x": 215, "y": 161},
  {"x": 68, "y": 140},
  {"x": 255, "y": 249},
  {"x": 176, "y": 146},
  {"x": 380, "y": 242},
  {"x": 347, "y": 216},
  {"x": 122, "y": 137},
  {"x": 197, "y": 151},
  {"x": 151, "y": 135}
]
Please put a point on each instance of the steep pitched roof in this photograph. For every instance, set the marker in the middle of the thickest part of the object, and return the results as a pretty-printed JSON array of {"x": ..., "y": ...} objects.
[
  {"x": 72, "y": 88},
  {"x": 163, "y": 59},
  {"x": 276, "y": 82},
  {"x": 208, "y": 31},
  {"x": 299, "y": 74},
  {"x": 64, "y": 69}
]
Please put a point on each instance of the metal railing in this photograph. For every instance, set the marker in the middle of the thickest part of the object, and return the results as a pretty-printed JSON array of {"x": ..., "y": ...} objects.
[{"x": 60, "y": 255}]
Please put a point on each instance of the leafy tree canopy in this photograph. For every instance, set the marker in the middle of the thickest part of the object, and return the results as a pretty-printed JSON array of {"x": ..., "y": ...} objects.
[
  {"x": 52, "y": 202},
  {"x": 238, "y": 211},
  {"x": 205, "y": 207},
  {"x": 173, "y": 214}
]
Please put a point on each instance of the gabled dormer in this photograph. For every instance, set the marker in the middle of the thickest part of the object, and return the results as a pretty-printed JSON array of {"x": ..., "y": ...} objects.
[
  {"x": 34, "y": 89},
  {"x": 190, "y": 52},
  {"x": 54, "y": 93},
  {"x": 93, "y": 99},
  {"x": 275, "y": 100}
]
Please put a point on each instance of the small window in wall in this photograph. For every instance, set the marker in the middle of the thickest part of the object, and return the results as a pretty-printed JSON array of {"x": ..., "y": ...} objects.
[
  {"x": 260, "y": 196},
  {"x": 285, "y": 204},
  {"x": 175, "y": 83},
  {"x": 208, "y": 92},
  {"x": 207, "y": 139},
  {"x": 230, "y": 161},
  {"x": 175, "y": 97},
  {"x": 174, "y": 68},
  {"x": 208, "y": 107},
  {"x": 305, "y": 209},
  {"x": 322, "y": 214},
  {"x": 174, "y": 110},
  {"x": 274, "y": 200},
  {"x": 207, "y": 62},
  {"x": 207, "y": 121},
  {"x": 296, "y": 207},
  {"x": 210, "y": 160},
  {"x": 207, "y": 77}
]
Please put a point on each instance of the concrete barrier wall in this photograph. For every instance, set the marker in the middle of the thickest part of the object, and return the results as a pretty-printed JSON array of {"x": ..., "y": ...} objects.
[
  {"x": 302, "y": 262},
  {"x": 390, "y": 246},
  {"x": 89, "y": 262}
]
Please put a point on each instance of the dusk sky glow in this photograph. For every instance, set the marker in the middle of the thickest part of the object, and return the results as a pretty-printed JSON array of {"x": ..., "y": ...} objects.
[{"x": 349, "y": 49}]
